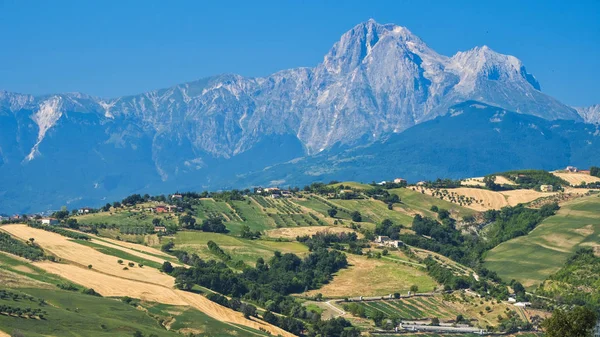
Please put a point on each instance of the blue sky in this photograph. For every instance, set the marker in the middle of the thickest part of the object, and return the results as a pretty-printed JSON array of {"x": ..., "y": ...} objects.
[{"x": 112, "y": 48}]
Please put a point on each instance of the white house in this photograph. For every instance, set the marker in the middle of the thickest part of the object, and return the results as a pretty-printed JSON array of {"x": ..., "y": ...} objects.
[
  {"x": 84, "y": 210},
  {"x": 399, "y": 180},
  {"x": 49, "y": 221},
  {"x": 176, "y": 197}
]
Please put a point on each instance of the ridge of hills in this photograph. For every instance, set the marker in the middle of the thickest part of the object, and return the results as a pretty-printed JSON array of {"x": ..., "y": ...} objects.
[{"x": 381, "y": 241}]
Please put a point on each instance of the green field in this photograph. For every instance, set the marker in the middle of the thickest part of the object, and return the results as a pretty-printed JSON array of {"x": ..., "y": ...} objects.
[
  {"x": 71, "y": 313},
  {"x": 420, "y": 202},
  {"x": 374, "y": 211},
  {"x": 531, "y": 259},
  {"x": 239, "y": 249}
]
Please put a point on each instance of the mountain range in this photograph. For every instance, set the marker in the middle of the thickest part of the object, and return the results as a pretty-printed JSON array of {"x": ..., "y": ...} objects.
[{"x": 376, "y": 84}]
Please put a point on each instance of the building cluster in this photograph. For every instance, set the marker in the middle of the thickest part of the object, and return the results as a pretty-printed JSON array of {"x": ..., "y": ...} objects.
[
  {"x": 385, "y": 241},
  {"x": 273, "y": 192}
]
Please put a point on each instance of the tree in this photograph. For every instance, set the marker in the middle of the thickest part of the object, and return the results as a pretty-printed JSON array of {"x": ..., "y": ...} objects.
[
  {"x": 595, "y": 171},
  {"x": 414, "y": 288},
  {"x": 167, "y": 247},
  {"x": 248, "y": 310},
  {"x": 167, "y": 267},
  {"x": 138, "y": 333},
  {"x": 578, "y": 322},
  {"x": 120, "y": 261},
  {"x": 435, "y": 321},
  {"x": 156, "y": 222},
  {"x": 187, "y": 221},
  {"x": 356, "y": 217},
  {"x": 332, "y": 212}
]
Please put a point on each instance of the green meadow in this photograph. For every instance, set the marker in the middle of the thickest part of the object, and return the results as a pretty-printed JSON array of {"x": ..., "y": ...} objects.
[{"x": 532, "y": 258}]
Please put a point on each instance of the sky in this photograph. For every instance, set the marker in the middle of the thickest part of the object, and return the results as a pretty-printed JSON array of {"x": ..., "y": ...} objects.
[{"x": 114, "y": 48}]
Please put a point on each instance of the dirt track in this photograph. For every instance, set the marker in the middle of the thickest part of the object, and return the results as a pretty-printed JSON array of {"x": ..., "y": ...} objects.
[{"x": 108, "y": 278}]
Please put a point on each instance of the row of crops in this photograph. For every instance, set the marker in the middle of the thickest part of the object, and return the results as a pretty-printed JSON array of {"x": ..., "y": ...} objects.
[
  {"x": 283, "y": 206},
  {"x": 412, "y": 308},
  {"x": 295, "y": 220}
]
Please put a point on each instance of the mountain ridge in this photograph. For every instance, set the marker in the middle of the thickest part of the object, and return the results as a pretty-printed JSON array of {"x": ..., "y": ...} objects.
[{"x": 376, "y": 80}]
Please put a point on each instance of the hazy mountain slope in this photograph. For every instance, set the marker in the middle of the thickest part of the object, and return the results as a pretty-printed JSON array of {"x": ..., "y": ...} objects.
[{"x": 472, "y": 140}]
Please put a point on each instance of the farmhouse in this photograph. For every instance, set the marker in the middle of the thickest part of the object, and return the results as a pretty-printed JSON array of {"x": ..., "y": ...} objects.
[
  {"x": 386, "y": 241},
  {"x": 275, "y": 195},
  {"x": 399, "y": 181},
  {"x": 286, "y": 194},
  {"x": 176, "y": 197},
  {"x": 161, "y": 229},
  {"x": 271, "y": 190},
  {"x": 382, "y": 239},
  {"x": 572, "y": 169},
  {"x": 49, "y": 221},
  {"x": 546, "y": 188},
  {"x": 84, "y": 210},
  {"x": 165, "y": 208}
]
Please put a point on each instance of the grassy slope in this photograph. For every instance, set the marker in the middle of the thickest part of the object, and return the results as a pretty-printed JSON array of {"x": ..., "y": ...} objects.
[
  {"x": 375, "y": 277},
  {"x": 419, "y": 202},
  {"x": 240, "y": 249},
  {"x": 76, "y": 314},
  {"x": 532, "y": 258}
]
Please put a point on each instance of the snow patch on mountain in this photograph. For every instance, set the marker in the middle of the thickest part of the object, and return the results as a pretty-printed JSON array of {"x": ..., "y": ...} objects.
[{"x": 48, "y": 114}]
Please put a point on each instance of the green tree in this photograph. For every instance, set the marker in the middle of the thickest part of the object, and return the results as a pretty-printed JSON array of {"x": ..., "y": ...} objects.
[
  {"x": 167, "y": 246},
  {"x": 578, "y": 322},
  {"x": 414, "y": 288},
  {"x": 248, "y": 310},
  {"x": 332, "y": 212},
  {"x": 356, "y": 217},
  {"x": 595, "y": 171},
  {"x": 167, "y": 267}
]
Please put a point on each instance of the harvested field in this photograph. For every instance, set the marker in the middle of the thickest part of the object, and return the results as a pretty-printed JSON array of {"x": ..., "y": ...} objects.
[
  {"x": 10, "y": 279},
  {"x": 576, "y": 178},
  {"x": 372, "y": 277},
  {"x": 483, "y": 200},
  {"x": 516, "y": 197},
  {"x": 108, "y": 278},
  {"x": 135, "y": 246},
  {"x": 293, "y": 232},
  {"x": 478, "y": 181},
  {"x": 84, "y": 256}
]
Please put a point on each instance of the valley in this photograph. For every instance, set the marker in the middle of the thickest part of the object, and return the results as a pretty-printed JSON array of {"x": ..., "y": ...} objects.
[{"x": 396, "y": 255}]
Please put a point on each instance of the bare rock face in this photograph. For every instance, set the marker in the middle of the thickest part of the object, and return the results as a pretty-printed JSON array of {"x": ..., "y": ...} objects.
[
  {"x": 376, "y": 80},
  {"x": 590, "y": 114}
]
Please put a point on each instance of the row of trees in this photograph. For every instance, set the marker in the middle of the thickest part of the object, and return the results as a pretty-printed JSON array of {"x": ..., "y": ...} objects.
[{"x": 28, "y": 250}]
